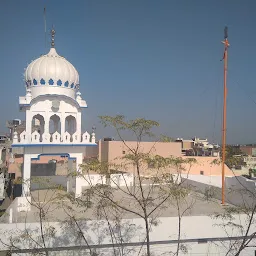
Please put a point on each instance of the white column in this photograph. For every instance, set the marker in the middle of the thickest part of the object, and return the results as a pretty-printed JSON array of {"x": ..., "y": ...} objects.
[
  {"x": 1, "y": 154},
  {"x": 78, "y": 122},
  {"x": 29, "y": 121},
  {"x": 26, "y": 175},
  {"x": 46, "y": 135},
  {"x": 79, "y": 180},
  {"x": 62, "y": 124},
  {"x": 29, "y": 116},
  {"x": 46, "y": 124},
  {"x": 70, "y": 178}
]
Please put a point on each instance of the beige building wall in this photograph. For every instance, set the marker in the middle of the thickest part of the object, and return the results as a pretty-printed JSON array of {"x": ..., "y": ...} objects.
[
  {"x": 164, "y": 149},
  {"x": 92, "y": 152},
  {"x": 104, "y": 151},
  {"x": 187, "y": 144},
  {"x": 113, "y": 151},
  {"x": 208, "y": 166}
]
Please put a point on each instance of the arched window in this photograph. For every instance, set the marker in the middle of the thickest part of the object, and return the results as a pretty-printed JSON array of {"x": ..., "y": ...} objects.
[
  {"x": 54, "y": 125},
  {"x": 34, "y": 82},
  {"x": 38, "y": 124},
  {"x": 66, "y": 84},
  {"x": 70, "y": 124}
]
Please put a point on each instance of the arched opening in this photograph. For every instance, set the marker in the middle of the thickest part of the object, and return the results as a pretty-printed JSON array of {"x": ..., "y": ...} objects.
[
  {"x": 38, "y": 124},
  {"x": 54, "y": 124},
  {"x": 70, "y": 124}
]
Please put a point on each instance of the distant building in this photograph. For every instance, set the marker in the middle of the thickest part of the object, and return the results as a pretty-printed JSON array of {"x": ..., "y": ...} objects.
[
  {"x": 250, "y": 162},
  {"x": 198, "y": 147},
  {"x": 185, "y": 145},
  {"x": 19, "y": 126},
  {"x": 249, "y": 150},
  {"x": 110, "y": 150},
  {"x": 5, "y": 149}
]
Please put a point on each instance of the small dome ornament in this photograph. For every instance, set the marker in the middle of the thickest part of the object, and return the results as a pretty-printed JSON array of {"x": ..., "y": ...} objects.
[
  {"x": 53, "y": 32},
  {"x": 93, "y": 134},
  {"x": 78, "y": 96},
  {"x": 28, "y": 83}
]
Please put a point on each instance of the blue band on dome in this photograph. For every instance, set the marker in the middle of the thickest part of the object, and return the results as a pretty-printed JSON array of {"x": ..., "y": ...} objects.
[
  {"x": 59, "y": 83},
  {"x": 42, "y": 81},
  {"x": 51, "y": 82}
]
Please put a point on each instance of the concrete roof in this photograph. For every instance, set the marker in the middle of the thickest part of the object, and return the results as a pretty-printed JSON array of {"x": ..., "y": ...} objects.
[{"x": 195, "y": 204}]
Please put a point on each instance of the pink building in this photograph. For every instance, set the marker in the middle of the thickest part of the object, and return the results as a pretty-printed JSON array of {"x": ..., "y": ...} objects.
[
  {"x": 205, "y": 166},
  {"x": 112, "y": 151}
]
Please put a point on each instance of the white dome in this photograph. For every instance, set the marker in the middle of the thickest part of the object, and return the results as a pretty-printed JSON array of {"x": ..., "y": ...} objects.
[{"x": 51, "y": 71}]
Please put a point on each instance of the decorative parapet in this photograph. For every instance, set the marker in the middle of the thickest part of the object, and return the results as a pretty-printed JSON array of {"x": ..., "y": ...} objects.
[{"x": 56, "y": 138}]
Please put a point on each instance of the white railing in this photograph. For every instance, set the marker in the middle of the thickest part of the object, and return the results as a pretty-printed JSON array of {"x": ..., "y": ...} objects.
[{"x": 55, "y": 138}]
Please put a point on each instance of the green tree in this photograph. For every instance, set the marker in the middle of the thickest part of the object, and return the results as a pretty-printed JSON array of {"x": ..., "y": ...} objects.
[
  {"x": 233, "y": 157},
  {"x": 155, "y": 186}
]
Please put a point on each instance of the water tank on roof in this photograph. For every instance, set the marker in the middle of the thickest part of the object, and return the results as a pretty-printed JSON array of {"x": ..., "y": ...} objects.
[
  {"x": 108, "y": 139},
  {"x": 16, "y": 121}
]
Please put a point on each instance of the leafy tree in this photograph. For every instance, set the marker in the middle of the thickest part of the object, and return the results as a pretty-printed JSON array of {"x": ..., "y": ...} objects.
[
  {"x": 155, "y": 187},
  {"x": 234, "y": 156}
]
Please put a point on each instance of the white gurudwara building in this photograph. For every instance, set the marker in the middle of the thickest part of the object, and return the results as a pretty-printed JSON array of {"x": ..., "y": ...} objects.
[{"x": 53, "y": 104}]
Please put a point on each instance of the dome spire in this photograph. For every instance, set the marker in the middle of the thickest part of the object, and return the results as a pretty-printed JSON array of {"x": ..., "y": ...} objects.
[{"x": 52, "y": 39}]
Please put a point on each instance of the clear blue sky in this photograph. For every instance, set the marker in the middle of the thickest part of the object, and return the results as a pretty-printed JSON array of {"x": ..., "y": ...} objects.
[{"x": 154, "y": 59}]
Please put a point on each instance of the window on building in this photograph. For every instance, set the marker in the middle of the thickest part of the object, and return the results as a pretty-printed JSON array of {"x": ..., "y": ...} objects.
[
  {"x": 201, "y": 172},
  {"x": 123, "y": 152},
  {"x": 151, "y": 165}
]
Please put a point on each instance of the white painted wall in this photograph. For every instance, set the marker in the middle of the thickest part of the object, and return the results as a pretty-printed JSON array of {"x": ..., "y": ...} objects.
[
  {"x": 192, "y": 227},
  {"x": 121, "y": 180},
  {"x": 94, "y": 179},
  {"x": 209, "y": 180},
  {"x": 91, "y": 180}
]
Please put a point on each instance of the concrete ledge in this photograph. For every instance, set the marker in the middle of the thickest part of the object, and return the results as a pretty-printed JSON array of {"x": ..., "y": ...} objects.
[{"x": 23, "y": 204}]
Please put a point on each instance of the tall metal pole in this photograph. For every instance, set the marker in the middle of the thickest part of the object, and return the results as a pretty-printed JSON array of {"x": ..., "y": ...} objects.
[
  {"x": 225, "y": 58},
  {"x": 45, "y": 44}
]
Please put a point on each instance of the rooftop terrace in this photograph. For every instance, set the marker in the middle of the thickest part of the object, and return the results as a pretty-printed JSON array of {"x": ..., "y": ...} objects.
[{"x": 57, "y": 207}]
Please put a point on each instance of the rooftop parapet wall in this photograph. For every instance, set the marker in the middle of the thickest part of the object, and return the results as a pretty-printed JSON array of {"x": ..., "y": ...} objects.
[{"x": 56, "y": 138}]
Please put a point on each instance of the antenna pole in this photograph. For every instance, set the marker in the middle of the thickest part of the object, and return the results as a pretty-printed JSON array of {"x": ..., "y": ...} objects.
[
  {"x": 225, "y": 58},
  {"x": 45, "y": 27}
]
